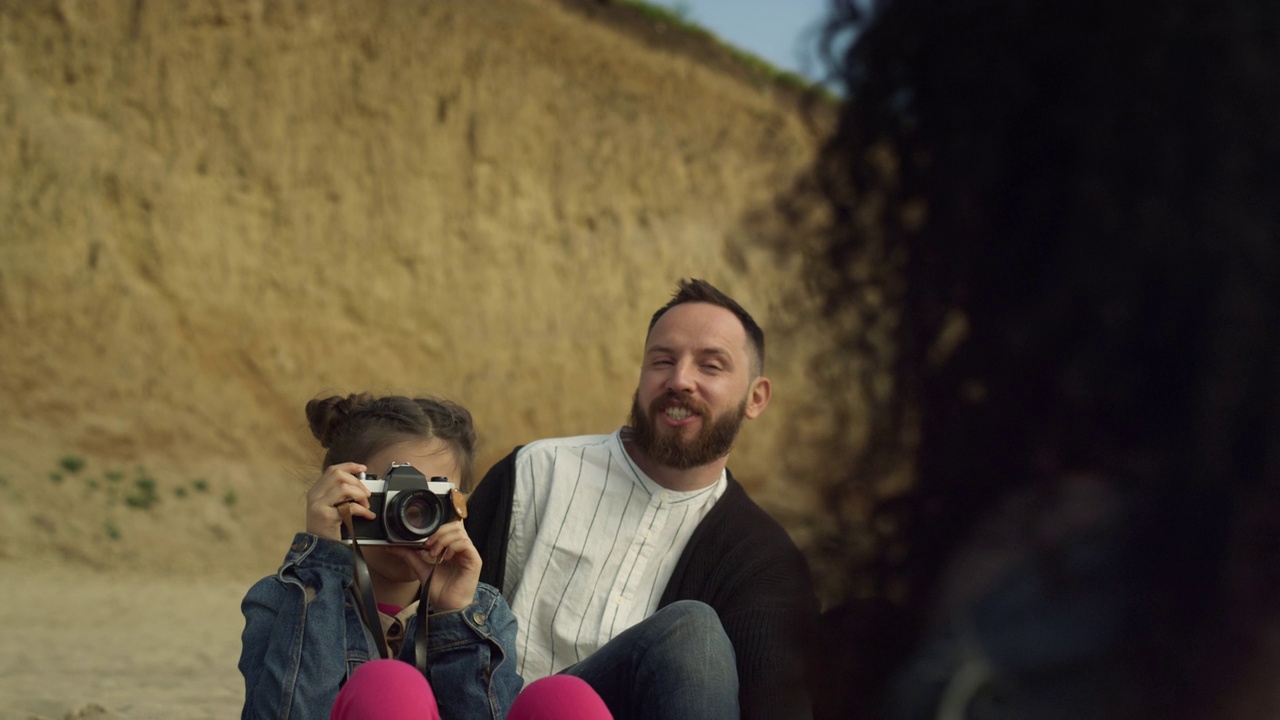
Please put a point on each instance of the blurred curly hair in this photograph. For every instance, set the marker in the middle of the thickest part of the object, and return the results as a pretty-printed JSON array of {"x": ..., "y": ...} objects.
[{"x": 1067, "y": 218}]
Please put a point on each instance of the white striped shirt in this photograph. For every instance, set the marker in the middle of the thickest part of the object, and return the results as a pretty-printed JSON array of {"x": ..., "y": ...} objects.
[{"x": 593, "y": 543}]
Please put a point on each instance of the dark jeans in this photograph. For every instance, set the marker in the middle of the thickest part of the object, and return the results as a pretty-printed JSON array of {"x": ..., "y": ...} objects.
[{"x": 676, "y": 664}]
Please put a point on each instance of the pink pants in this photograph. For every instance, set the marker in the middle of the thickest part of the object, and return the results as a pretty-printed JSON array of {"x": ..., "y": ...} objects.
[{"x": 394, "y": 690}]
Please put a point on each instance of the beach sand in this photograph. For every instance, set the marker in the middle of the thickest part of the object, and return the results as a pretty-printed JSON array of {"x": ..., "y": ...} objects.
[{"x": 93, "y": 644}]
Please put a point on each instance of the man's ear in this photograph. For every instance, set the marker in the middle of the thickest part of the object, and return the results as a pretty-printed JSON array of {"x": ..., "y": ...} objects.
[{"x": 758, "y": 396}]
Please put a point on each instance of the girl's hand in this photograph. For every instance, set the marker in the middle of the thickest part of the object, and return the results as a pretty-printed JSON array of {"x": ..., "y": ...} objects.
[
  {"x": 450, "y": 562},
  {"x": 337, "y": 486}
]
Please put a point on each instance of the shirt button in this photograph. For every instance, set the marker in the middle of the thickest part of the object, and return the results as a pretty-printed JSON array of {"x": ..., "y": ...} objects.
[{"x": 617, "y": 600}]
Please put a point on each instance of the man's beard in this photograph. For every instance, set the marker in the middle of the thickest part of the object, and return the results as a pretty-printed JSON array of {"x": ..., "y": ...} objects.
[{"x": 670, "y": 449}]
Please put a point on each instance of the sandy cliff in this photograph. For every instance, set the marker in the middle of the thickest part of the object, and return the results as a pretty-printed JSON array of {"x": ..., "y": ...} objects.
[{"x": 211, "y": 212}]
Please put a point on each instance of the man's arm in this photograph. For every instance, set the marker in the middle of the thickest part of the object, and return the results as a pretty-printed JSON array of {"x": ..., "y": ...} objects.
[
  {"x": 773, "y": 640},
  {"x": 743, "y": 564}
]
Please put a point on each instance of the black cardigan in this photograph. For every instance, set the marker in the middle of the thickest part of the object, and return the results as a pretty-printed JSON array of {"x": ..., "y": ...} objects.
[{"x": 739, "y": 561}]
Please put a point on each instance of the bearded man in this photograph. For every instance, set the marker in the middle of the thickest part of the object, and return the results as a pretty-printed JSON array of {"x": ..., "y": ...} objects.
[{"x": 635, "y": 561}]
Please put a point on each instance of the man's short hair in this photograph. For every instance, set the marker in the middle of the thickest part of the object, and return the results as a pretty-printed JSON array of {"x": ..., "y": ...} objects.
[{"x": 701, "y": 291}]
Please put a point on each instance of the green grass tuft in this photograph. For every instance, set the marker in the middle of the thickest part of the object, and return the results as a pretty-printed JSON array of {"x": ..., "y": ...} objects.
[
  {"x": 680, "y": 19},
  {"x": 71, "y": 463},
  {"x": 143, "y": 495},
  {"x": 678, "y": 16}
]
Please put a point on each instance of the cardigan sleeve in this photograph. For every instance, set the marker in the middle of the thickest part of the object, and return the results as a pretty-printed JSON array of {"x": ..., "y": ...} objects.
[
  {"x": 743, "y": 564},
  {"x": 772, "y": 640},
  {"x": 489, "y": 518}
]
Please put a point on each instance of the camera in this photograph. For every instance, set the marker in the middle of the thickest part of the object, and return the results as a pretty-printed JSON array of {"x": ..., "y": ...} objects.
[{"x": 410, "y": 508}]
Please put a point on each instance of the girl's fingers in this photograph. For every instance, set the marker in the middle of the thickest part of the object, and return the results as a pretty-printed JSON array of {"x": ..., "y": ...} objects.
[
  {"x": 461, "y": 550},
  {"x": 334, "y": 478},
  {"x": 343, "y": 493},
  {"x": 342, "y": 470},
  {"x": 336, "y": 487},
  {"x": 356, "y": 508},
  {"x": 413, "y": 556},
  {"x": 343, "y": 490},
  {"x": 448, "y": 534}
]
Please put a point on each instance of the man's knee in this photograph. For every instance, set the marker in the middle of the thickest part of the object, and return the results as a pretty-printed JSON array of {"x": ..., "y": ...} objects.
[
  {"x": 678, "y": 662},
  {"x": 689, "y": 616},
  {"x": 690, "y": 635}
]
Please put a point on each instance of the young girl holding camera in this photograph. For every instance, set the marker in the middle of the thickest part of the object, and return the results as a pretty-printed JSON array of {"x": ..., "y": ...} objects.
[{"x": 307, "y": 652}]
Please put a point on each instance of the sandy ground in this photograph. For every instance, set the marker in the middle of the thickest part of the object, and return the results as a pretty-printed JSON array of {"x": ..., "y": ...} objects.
[{"x": 87, "y": 644}]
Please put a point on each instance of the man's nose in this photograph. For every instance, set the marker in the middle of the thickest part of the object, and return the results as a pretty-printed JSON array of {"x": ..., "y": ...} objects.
[{"x": 681, "y": 378}]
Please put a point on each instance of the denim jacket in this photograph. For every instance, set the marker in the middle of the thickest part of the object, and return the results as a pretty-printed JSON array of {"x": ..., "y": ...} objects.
[{"x": 303, "y": 638}]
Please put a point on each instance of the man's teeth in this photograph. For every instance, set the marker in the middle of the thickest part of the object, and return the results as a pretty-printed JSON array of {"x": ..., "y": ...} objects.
[{"x": 678, "y": 413}]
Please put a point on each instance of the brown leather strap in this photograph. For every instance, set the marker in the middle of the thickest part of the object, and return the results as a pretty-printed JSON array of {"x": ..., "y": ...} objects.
[{"x": 366, "y": 603}]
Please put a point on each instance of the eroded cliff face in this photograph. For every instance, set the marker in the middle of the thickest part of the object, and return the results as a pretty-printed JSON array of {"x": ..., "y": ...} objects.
[{"x": 215, "y": 211}]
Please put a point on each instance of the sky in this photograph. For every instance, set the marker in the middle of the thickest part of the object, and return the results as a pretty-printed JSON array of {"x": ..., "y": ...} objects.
[{"x": 782, "y": 32}]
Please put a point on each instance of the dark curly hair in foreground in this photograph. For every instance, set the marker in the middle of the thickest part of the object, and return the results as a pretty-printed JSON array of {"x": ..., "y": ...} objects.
[{"x": 1066, "y": 217}]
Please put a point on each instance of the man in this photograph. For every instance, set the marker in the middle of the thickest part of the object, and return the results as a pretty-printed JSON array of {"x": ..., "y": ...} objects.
[{"x": 635, "y": 561}]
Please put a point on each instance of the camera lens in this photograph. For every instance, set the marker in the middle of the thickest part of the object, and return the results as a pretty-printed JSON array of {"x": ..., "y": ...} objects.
[{"x": 413, "y": 515}]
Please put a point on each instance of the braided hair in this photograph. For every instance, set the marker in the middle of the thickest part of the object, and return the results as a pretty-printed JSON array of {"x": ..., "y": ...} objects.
[{"x": 354, "y": 427}]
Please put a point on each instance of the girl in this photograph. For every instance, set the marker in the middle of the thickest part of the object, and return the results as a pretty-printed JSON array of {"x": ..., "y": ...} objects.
[{"x": 303, "y": 636}]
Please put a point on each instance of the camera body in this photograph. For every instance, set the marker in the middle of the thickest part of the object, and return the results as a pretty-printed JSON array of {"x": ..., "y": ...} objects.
[{"x": 409, "y": 507}]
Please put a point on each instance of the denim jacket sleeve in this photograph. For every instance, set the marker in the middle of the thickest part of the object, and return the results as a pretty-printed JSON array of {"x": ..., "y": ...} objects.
[{"x": 303, "y": 637}]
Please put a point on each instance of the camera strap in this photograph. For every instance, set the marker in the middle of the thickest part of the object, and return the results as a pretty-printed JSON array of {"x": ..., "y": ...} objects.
[
  {"x": 420, "y": 632},
  {"x": 367, "y": 604}
]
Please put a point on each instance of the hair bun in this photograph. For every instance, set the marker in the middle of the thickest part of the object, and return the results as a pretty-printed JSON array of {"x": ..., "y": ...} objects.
[{"x": 330, "y": 417}]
